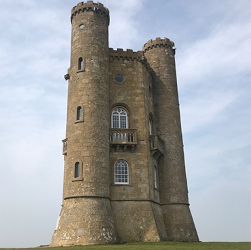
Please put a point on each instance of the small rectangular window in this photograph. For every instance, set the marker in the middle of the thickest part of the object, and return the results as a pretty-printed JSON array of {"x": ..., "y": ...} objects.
[
  {"x": 79, "y": 111},
  {"x": 77, "y": 170}
]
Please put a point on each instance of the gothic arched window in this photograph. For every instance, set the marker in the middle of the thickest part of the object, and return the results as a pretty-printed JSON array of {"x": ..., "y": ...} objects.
[
  {"x": 121, "y": 172},
  {"x": 119, "y": 118}
]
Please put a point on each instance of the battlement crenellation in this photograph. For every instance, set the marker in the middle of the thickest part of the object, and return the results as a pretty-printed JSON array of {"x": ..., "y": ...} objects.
[
  {"x": 90, "y": 6},
  {"x": 129, "y": 54},
  {"x": 158, "y": 42}
]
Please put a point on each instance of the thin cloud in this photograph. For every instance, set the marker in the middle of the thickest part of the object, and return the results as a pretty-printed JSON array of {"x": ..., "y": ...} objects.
[
  {"x": 198, "y": 112},
  {"x": 124, "y": 22},
  {"x": 222, "y": 53}
]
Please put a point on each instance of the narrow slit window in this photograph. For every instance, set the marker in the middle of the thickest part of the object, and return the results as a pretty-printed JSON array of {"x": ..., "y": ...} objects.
[
  {"x": 155, "y": 177},
  {"x": 79, "y": 111},
  {"x": 150, "y": 126},
  {"x": 77, "y": 170},
  {"x": 80, "y": 63}
]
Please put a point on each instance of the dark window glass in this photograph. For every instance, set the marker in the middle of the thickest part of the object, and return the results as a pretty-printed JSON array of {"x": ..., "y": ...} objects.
[
  {"x": 119, "y": 78},
  {"x": 80, "y": 63}
]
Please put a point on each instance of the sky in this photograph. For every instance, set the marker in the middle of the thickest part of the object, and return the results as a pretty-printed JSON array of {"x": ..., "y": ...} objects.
[{"x": 213, "y": 69}]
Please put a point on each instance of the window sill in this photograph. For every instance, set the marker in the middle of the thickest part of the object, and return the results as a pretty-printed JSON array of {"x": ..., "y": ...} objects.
[
  {"x": 81, "y": 70},
  {"x": 78, "y": 179},
  {"x": 127, "y": 185},
  {"x": 79, "y": 121}
]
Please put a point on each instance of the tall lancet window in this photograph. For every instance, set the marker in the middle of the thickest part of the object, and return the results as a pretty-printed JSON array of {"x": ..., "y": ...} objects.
[
  {"x": 79, "y": 111},
  {"x": 80, "y": 63},
  {"x": 119, "y": 118},
  {"x": 77, "y": 170},
  {"x": 150, "y": 126}
]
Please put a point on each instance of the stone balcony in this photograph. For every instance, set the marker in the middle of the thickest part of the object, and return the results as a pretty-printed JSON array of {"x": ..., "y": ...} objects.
[
  {"x": 64, "y": 146},
  {"x": 123, "y": 137},
  {"x": 156, "y": 146}
]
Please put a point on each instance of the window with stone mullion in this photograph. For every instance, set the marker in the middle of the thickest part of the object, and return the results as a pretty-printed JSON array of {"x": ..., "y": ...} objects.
[
  {"x": 119, "y": 118},
  {"x": 121, "y": 174}
]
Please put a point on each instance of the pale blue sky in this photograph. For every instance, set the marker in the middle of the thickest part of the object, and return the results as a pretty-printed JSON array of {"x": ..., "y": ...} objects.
[{"x": 213, "y": 68}]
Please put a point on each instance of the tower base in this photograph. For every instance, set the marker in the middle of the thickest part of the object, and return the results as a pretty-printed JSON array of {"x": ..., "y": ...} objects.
[
  {"x": 85, "y": 221},
  {"x": 179, "y": 222},
  {"x": 139, "y": 221}
]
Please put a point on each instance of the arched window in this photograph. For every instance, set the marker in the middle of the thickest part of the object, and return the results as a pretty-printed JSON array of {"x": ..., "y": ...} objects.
[
  {"x": 119, "y": 118},
  {"x": 80, "y": 63},
  {"x": 79, "y": 111},
  {"x": 121, "y": 172},
  {"x": 77, "y": 170}
]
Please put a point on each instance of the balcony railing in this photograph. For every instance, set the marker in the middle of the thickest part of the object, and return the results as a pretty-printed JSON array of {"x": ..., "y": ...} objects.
[
  {"x": 156, "y": 145},
  {"x": 123, "y": 137},
  {"x": 64, "y": 146}
]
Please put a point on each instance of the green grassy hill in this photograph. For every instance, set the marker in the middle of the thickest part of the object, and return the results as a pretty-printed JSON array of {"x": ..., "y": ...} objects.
[{"x": 160, "y": 246}]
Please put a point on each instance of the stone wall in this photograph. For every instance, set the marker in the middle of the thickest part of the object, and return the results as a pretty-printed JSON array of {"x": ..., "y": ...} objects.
[
  {"x": 153, "y": 205},
  {"x": 82, "y": 223}
]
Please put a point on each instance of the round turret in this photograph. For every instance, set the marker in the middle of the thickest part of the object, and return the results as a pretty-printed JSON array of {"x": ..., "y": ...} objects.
[
  {"x": 158, "y": 43},
  {"x": 90, "y": 23},
  {"x": 88, "y": 109},
  {"x": 90, "y": 6},
  {"x": 86, "y": 216},
  {"x": 159, "y": 54}
]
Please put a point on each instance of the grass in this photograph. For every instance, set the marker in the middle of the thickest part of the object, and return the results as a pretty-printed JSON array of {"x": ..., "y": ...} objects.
[{"x": 159, "y": 246}]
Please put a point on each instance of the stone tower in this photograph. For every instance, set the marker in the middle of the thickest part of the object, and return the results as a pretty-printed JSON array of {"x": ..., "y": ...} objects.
[
  {"x": 124, "y": 174},
  {"x": 172, "y": 176}
]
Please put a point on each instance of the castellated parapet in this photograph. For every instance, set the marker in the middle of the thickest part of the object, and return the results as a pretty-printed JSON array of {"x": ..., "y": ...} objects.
[
  {"x": 129, "y": 54},
  {"x": 124, "y": 171},
  {"x": 90, "y": 6},
  {"x": 158, "y": 42}
]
